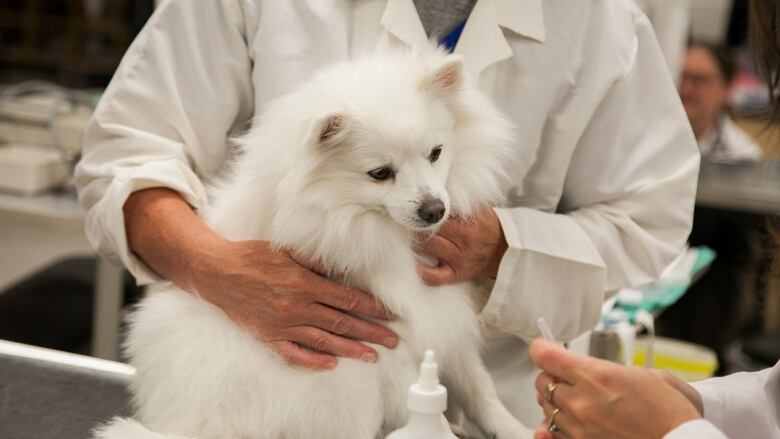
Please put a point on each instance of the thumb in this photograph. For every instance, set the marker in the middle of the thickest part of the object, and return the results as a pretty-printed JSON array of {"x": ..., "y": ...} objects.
[
  {"x": 555, "y": 360},
  {"x": 435, "y": 276}
]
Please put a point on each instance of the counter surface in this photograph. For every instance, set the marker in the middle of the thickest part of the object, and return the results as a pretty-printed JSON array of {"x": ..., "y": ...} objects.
[{"x": 744, "y": 187}]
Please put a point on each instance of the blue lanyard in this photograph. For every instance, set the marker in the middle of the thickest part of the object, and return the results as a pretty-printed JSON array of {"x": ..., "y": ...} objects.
[{"x": 451, "y": 39}]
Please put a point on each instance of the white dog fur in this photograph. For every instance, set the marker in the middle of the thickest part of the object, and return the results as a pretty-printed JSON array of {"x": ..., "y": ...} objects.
[{"x": 302, "y": 182}]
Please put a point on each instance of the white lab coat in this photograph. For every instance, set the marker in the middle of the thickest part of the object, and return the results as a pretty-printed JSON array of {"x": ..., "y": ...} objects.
[
  {"x": 739, "y": 406},
  {"x": 728, "y": 143},
  {"x": 603, "y": 197},
  {"x": 671, "y": 20}
]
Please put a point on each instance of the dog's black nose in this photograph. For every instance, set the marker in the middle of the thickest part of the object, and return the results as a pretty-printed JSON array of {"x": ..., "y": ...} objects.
[{"x": 431, "y": 211}]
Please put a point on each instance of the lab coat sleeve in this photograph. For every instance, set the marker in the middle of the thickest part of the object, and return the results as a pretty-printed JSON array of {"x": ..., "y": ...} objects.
[
  {"x": 741, "y": 405},
  {"x": 699, "y": 429},
  {"x": 671, "y": 21},
  {"x": 181, "y": 88},
  {"x": 625, "y": 213}
]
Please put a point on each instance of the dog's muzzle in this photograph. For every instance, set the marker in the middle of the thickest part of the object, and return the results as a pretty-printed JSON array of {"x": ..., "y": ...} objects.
[{"x": 431, "y": 211}]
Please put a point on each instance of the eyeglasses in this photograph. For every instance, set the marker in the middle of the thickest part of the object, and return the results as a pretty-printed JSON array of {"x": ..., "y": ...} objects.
[{"x": 700, "y": 81}]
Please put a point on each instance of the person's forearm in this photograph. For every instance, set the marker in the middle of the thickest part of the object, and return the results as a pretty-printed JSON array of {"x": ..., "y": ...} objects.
[{"x": 166, "y": 234}]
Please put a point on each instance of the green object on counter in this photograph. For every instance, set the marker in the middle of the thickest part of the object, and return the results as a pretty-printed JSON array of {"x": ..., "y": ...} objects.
[{"x": 664, "y": 293}]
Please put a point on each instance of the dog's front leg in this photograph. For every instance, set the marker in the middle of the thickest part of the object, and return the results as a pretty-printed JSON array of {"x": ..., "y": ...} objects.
[{"x": 473, "y": 389}]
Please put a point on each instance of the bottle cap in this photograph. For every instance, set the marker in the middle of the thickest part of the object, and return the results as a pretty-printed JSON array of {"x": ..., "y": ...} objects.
[
  {"x": 427, "y": 395},
  {"x": 615, "y": 316}
]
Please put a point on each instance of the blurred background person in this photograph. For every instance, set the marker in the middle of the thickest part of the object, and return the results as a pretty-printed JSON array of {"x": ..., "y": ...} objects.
[
  {"x": 707, "y": 75},
  {"x": 728, "y": 304}
]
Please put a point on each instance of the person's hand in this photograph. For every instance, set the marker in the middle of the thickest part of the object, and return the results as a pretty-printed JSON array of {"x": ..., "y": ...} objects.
[
  {"x": 464, "y": 248},
  {"x": 307, "y": 319},
  {"x": 601, "y": 399},
  {"x": 686, "y": 389}
]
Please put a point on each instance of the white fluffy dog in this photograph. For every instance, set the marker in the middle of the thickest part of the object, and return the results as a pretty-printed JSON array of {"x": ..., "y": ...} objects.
[{"x": 347, "y": 169}]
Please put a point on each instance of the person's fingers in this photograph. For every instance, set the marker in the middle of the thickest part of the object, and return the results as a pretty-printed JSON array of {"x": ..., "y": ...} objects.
[
  {"x": 540, "y": 384},
  {"x": 561, "y": 396},
  {"x": 339, "y": 323},
  {"x": 297, "y": 356},
  {"x": 541, "y": 381},
  {"x": 441, "y": 248},
  {"x": 547, "y": 408},
  {"x": 309, "y": 263},
  {"x": 557, "y": 361},
  {"x": 452, "y": 230},
  {"x": 337, "y": 295},
  {"x": 437, "y": 276},
  {"x": 315, "y": 266},
  {"x": 565, "y": 423},
  {"x": 541, "y": 432},
  {"x": 681, "y": 386},
  {"x": 348, "y": 299},
  {"x": 328, "y": 343}
]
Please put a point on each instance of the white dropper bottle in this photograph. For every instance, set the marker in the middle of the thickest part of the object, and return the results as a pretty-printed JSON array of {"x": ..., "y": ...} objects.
[{"x": 426, "y": 401}]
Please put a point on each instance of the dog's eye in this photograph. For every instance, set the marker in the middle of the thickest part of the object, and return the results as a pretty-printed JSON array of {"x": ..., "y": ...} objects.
[
  {"x": 382, "y": 173},
  {"x": 435, "y": 154}
]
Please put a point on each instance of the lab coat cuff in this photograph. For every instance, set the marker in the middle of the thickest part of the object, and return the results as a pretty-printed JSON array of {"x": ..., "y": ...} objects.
[
  {"x": 172, "y": 174},
  {"x": 550, "y": 269},
  {"x": 712, "y": 400},
  {"x": 698, "y": 428}
]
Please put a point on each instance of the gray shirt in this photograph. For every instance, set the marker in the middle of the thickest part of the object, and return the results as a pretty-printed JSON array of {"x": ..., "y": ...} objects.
[{"x": 440, "y": 17}]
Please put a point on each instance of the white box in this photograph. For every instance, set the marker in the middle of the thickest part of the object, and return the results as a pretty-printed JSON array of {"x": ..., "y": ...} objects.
[
  {"x": 26, "y": 119},
  {"x": 30, "y": 169}
]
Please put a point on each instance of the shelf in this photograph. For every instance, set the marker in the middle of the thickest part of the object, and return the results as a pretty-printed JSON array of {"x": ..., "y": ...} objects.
[{"x": 59, "y": 206}]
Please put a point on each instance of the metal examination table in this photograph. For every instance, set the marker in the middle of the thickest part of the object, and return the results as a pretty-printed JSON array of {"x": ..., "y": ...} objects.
[
  {"x": 743, "y": 187},
  {"x": 47, "y": 394},
  {"x": 51, "y": 394},
  {"x": 54, "y": 223}
]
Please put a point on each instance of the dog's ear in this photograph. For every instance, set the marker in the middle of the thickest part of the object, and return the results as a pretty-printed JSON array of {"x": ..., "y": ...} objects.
[
  {"x": 328, "y": 130},
  {"x": 446, "y": 75}
]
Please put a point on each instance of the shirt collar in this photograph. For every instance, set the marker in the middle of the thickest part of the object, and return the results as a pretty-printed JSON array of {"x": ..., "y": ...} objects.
[
  {"x": 482, "y": 42},
  {"x": 400, "y": 18},
  {"x": 524, "y": 17}
]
